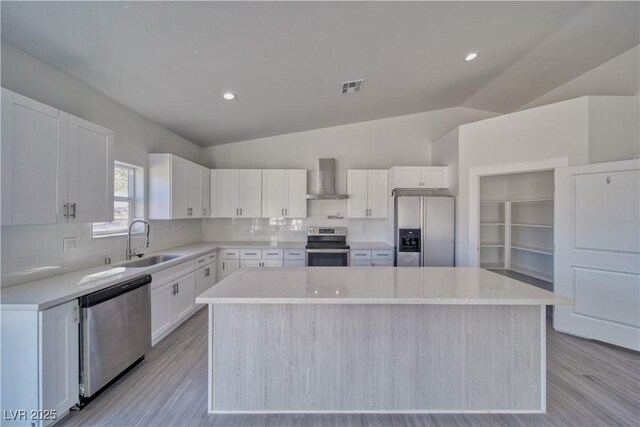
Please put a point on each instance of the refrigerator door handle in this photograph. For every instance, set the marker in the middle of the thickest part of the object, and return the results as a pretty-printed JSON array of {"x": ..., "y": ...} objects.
[{"x": 423, "y": 224}]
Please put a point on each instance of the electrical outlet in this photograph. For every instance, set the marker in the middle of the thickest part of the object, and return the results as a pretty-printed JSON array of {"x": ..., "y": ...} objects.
[{"x": 69, "y": 244}]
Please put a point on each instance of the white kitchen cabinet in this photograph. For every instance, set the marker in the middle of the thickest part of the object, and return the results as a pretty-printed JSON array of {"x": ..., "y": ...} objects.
[
  {"x": 368, "y": 193},
  {"x": 206, "y": 192},
  {"x": 294, "y": 263},
  {"x": 420, "y": 177},
  {"x": 90, "y": 163},
  {"x": 171, "y": 302},
  {"x": 284, "y": 193},
  {"x": 56, "y": 168},
  {"x": 229, "y": 261},
  {"x": 238, "y": 193},
  {"x": 172, "y": 298},
  {"x": 183, "y": 296},
  {"x": 176, "y": 187},
  {"x": 371, "y": 258},
  {"x": 40, "y": 362}
]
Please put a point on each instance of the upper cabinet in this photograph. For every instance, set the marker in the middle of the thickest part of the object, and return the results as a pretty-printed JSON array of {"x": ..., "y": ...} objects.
[
  {"x": 368, "y": 193},
  {"x": 420, "y": 177},
  {"x": 56, "y": 168},
  {"x": 236, "y": 193},
  {"x": 177, "y": 188},
  {"x": 284, "y": 193}
]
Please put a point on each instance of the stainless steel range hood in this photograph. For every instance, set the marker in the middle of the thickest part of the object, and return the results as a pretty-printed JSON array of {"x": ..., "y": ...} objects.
[{"x": 327, "y": 182}]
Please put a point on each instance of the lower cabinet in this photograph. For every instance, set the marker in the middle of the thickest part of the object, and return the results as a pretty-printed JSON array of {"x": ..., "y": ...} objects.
[
  {"x": 205, "y": 277},
  {"x": 371, "y": 258},
  {"x": 172, "y": 301},
  {"x": 39, "y": 365},
  {"x": 227, "y": 266}
]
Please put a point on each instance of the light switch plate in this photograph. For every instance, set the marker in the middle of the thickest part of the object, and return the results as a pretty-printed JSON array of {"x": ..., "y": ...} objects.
[{"x": 69, "y": 244}]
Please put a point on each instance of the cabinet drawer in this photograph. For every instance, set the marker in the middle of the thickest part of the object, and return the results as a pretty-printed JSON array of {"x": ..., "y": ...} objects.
[
  {"x": 272, "y": 254},
  {"x": 382, "y": 255},
  {"x": 250, "y": 254},
  {"x": 272, "y": 263},
  {"x": 294, "y": 262},
  {"x": 360, "y": 263},
  {"x": 382, "y": 263},
  {"x": 360, "y": 255},
  {"x": 297, "y": 254},
  {"x": 200, "y": 261},
  {"x": 211, "y": 257},
  {"x": 231, "y": 254}
]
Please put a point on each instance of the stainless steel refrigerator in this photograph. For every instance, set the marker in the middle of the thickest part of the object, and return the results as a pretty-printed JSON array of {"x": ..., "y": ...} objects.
[{"x": 424, "y": 229}]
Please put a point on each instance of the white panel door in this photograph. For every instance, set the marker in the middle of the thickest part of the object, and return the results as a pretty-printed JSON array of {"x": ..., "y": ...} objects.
[
  {"x": 273, "y": 193},
  {"x": 597, "y": 258},
  {"x": 296, "y": 182},
  {"x": 184, "y": 298},
  {"x": 251, "y": 193},
  {"x": 59, "y": 358},
  {"x": 34, "y": 161},
  {"x": 407, "y": 177},
  {"x": 161, "y": 318},
  {"x": 378, "y": 194},
  {"x": 357, "y": 203},
  {"x": 194, "y": 190},
  {"x": 90, "y": 171},
  {"x": 206, "y": 192},
  {"x": 228, "y": 193},
  {"x": 228, "y": 266}
]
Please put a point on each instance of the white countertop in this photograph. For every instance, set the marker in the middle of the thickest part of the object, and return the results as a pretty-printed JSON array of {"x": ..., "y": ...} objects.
[
  {"x": 379, "y": 285},
  {"x": 51, "y": 291}
]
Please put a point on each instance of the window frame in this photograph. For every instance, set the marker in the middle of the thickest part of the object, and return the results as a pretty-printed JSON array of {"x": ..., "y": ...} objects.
[{"x": 132, "y": 199}]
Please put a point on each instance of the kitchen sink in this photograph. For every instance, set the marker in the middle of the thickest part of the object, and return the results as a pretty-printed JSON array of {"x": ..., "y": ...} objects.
[{"x": 148, "y": 262}]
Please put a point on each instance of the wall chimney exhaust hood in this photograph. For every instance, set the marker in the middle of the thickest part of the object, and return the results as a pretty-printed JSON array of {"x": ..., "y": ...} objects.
[{"x": 327, "y": 182}]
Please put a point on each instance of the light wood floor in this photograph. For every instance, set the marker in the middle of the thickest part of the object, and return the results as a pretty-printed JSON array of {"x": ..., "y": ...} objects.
[{"x": 589, "y": 384}]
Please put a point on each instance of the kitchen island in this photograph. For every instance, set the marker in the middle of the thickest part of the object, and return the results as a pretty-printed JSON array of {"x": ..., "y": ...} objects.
[{"x": 351, "y": 339}]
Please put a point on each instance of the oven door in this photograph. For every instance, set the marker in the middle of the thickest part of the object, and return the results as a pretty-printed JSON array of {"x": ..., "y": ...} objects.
[{"x": 327, "y": 257}]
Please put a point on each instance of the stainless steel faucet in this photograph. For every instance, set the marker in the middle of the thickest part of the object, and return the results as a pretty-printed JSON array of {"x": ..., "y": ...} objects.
[{"x": 132, "y": 253}]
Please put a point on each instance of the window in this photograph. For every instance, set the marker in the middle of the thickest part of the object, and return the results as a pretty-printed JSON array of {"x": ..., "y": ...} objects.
[{"x": 124, "y": 201}]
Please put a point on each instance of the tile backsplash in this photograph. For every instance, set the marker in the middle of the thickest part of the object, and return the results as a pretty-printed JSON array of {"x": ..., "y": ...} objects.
[
  {"x": 285, "y": 229},
  {"x": 35, "y": 252}
]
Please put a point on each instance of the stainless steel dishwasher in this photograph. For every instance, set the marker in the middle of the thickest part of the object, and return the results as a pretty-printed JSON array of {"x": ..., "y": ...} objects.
[{"x": 115, "y": 333}]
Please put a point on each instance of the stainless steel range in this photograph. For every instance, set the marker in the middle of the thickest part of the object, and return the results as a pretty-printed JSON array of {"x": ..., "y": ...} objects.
[{"x": 327, "y": 247}]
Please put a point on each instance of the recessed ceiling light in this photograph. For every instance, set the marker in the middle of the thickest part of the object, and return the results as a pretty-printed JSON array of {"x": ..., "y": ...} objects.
[
  {"x": 229, "y": 96},
  {"x": 195, "y": 50},
  {"x": 471, "y": 56}
]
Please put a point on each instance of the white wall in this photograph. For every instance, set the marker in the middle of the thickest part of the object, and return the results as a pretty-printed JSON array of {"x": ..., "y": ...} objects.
[
  {"x": 37, "y": 250},
  {"x": 618, "y": 76},
  {"x": 377, "y": 144},
  {"x": 560, "y": 130}
]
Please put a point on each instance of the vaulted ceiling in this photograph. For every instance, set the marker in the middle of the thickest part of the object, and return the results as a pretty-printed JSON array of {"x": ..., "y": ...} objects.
[{"x": 171, "y": 61}]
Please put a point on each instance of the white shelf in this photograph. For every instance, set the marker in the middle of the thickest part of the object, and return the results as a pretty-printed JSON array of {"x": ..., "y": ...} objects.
[
  {"x": 492, "y": 201},
  {"x": 533, "y": 201},
  {"x": 531, "y": 225},
  {"x": 533, "y": 273},
  {"x": 532, "y": 249},
  {"x": 492, "y": 223},
  {"x": 492, "y": 245}
]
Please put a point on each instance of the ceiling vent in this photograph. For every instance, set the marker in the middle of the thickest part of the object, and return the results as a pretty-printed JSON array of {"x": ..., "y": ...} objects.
[{"x": 354, "y": 86}]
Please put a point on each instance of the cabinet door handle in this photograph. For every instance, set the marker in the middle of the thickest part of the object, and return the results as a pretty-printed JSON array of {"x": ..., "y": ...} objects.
[
  {"x": 237, "y": 212},
  {"x": 286, "y": 211},
  {"x": 282, "y": 211},
  {"x": 200, "y": 260},
  {"x": 177, "y": 288},
  {"x": 206, "y": 272},
  {"x": 72, "y": 213},
  {"x": 204, "y": 212},
  {"x": 240, "y": 211},
  {"x": 65, "y": 210},
  {"x": 223, "y": 265}
]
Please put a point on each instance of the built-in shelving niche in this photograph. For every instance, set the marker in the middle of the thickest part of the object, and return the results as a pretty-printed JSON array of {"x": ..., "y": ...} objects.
[{"x": 516, "y": 225}]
